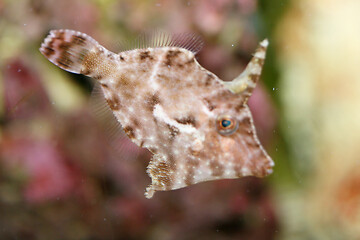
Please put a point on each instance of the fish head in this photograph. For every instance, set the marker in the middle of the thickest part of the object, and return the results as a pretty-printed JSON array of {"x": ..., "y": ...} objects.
[
  {"x": 213, "y": 135},
  {"x": 216, "y": 140}
]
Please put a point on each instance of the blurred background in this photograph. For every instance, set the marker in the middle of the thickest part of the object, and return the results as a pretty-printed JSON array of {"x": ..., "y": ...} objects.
[{"x": 60, "y": 179}]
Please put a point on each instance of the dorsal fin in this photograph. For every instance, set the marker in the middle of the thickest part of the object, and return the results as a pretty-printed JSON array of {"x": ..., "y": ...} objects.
[{"x": 160, "y": 38}]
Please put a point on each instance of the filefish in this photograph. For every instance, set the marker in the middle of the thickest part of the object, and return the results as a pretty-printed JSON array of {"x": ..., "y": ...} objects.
[{"x": 198, "y": 127}]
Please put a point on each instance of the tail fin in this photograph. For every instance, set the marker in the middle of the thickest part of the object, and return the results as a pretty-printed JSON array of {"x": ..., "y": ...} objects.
[{"x": 67, "y": 49}]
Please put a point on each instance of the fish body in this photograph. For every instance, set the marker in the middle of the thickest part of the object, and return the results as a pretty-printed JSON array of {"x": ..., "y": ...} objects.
[{"x": 197, "y": 126}]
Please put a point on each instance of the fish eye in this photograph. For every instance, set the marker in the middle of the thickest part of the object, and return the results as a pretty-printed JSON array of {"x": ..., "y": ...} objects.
[{"x": 226, "y": 125}]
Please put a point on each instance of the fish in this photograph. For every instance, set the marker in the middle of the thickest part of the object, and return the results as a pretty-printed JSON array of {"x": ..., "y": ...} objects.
[{"x": 197, "y": 127}]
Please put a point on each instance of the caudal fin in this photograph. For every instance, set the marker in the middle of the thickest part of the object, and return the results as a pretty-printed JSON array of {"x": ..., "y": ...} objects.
[{"x": 67, "y": 49}]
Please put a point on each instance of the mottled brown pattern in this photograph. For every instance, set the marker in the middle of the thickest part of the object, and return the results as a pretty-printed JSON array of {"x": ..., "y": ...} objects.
[
  {"x": 78, "y": 40},
  {"x": 64, "y": 46},
  {"x": 129, "y": 131},
  {"x": 187, "y": 120},
  {"x": 173, "y": 131},
  {"x": 239, "y": 107},
  {"x": 114, "y": 103},
  {"x": 60, "y": 35},
  {"x": 48, "y": 52},
  {"x": 145, "y": 55},
  {"x": 170, "y": 56},
  {"x": 169, "y": 104},
  {"x": 254, "y": 77},
  {"x": 65, "y": 61},
  {"x": 135, "y": 122},
  {"x": 151, "y": 101}
]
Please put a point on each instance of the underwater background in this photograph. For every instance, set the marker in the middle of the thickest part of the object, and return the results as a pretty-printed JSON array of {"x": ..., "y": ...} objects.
[{"x": 60, "y": 179}]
